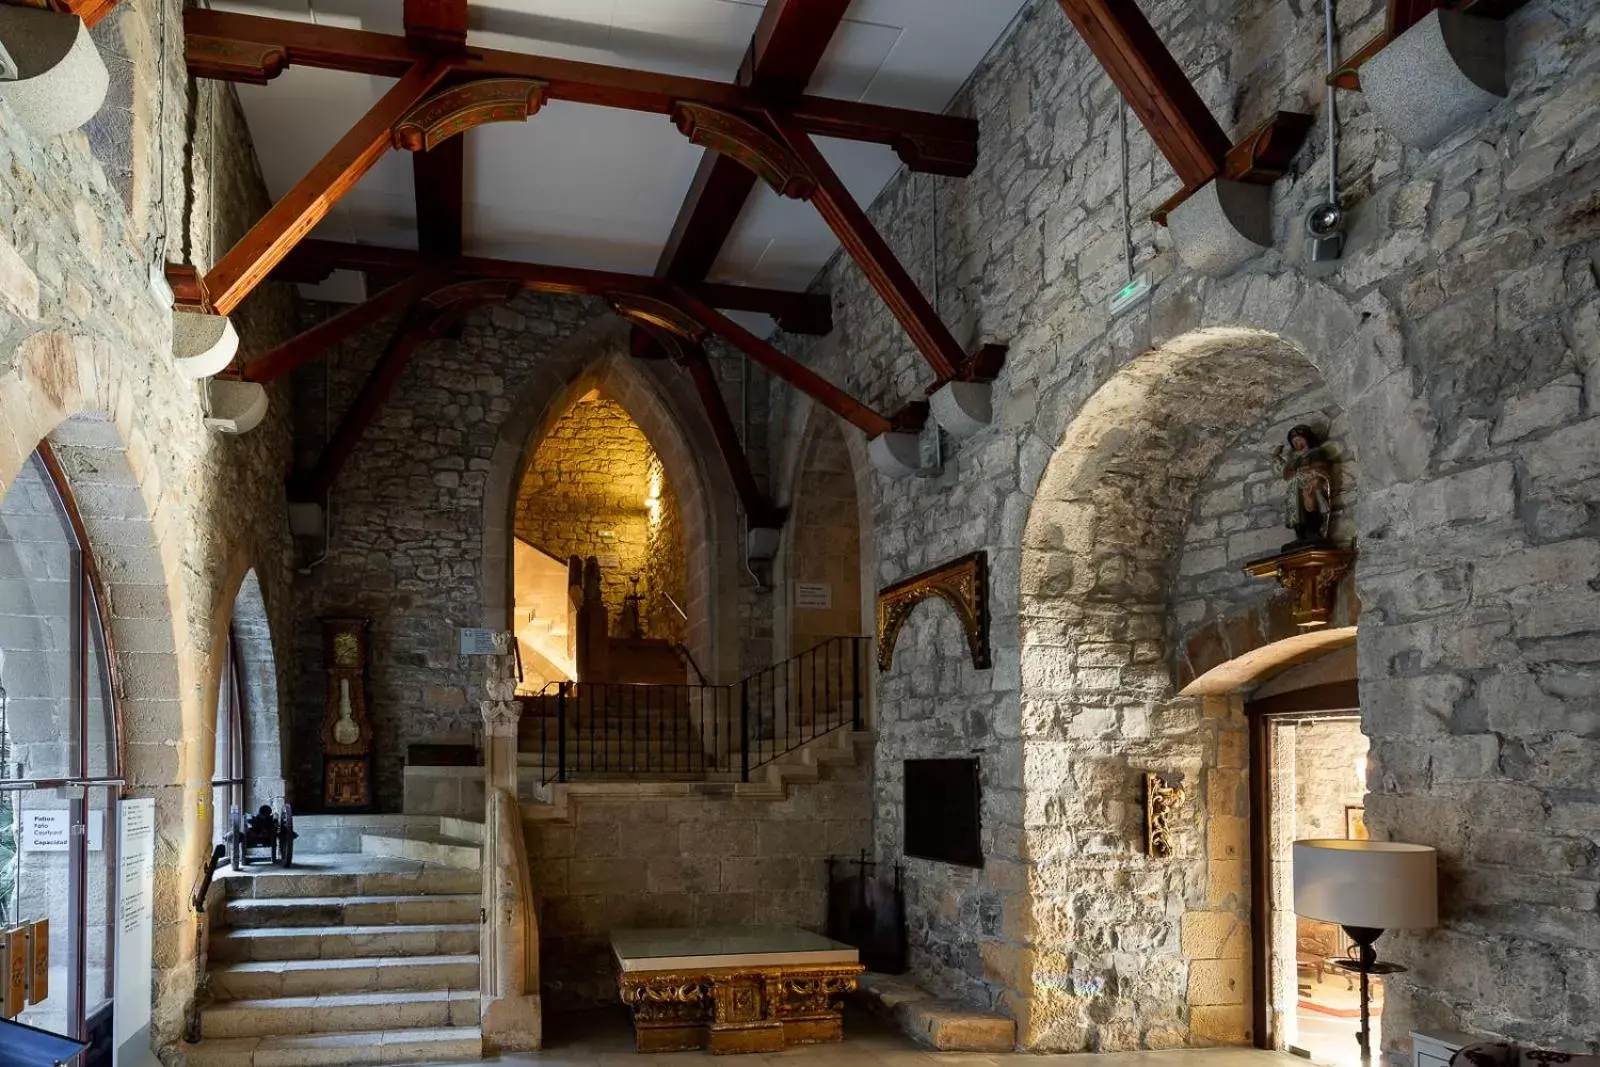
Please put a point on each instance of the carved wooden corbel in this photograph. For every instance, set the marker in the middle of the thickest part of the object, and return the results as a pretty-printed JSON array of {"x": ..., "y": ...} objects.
[
  {"x": 962, "y": 583},
  {"x": 461, "y": 107},
  {"x": 657, "y": 315},
  {"x": 227, "y": 59},
  {"x": 746, "y": 143},
  {"x": 1311, "y": 575}
]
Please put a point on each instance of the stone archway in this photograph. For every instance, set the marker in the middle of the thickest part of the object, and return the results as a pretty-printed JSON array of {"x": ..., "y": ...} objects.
[{"x": 597, "y": 357}]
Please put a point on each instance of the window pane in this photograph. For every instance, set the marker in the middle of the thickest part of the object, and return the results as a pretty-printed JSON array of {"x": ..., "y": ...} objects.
[
  {"x": 102, "y": 712},
  {"x": 99, "y": 981},
  {"x": 37, "y": 591}
]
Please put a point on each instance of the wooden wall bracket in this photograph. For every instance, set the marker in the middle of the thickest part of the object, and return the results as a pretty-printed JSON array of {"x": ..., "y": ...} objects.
[
  {"x": 225, "y": 59},
  {"x": 962, "y": 583},
  {"x": 748, "y": 145},
  {"x": 1311, "y": 575},
  {"x": 459, "y": 108}
]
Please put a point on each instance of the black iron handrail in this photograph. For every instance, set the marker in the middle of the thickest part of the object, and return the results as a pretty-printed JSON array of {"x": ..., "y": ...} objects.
[{"x": 604, "y": 729}]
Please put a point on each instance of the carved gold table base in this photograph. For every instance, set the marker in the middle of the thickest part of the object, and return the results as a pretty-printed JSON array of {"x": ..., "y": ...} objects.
[{"x": 729, "y": 1010}]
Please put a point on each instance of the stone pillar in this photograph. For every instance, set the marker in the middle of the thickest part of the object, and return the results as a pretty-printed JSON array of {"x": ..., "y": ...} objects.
[{"x": 509, "y": 944}]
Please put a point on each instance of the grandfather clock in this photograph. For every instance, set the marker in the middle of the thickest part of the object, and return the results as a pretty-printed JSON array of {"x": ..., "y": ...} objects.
[{"x": 346, "y": 726}]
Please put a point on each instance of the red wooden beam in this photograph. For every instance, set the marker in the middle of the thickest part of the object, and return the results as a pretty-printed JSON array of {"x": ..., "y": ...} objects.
[
  {"x": 308, "y": 345},
  {"x": 1153, "y": 84},
  {"x": 314, "y": 259},
  {"x": 305, "y": 205},
  {"x": 757, "y": 507},
  {"x": 785, "y": 368},
  {"x": 251, "y": 48},
  {"x": 873, "y": 254},
  {"x": 90, "y": 11},
  {"x": 439, "y": 174}
]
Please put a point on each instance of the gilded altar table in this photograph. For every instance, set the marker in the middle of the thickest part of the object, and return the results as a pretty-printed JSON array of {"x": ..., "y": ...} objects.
[{"x": 733, "y": 990}]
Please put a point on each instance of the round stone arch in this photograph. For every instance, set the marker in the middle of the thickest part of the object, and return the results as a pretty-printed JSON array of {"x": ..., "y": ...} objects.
[
  {"x": 807, "y": 421},
  {"x": 598, "y": 356},
  {"x": 73, "y": 392},
  {"x": 1115, "y": 951}
]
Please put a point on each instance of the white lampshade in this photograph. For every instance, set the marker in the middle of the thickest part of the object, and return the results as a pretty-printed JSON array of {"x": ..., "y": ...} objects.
[{"x": 1383, "y": 885}]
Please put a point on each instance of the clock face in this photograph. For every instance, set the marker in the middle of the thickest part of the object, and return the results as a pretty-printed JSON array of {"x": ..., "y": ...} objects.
[{"x": 346, "y": 650}]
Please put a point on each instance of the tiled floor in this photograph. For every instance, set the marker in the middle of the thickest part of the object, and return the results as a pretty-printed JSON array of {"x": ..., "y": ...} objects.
[{"x": 607, "y": 1042}]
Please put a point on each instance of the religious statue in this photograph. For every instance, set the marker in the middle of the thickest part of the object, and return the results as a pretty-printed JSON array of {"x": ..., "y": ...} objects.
[{"x": 1307, "y": 467}]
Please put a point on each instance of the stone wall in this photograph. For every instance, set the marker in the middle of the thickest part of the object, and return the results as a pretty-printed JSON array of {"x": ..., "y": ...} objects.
[
  {"x": 1458, "y": 338},
  {"x": 175, "y": 513},
  {"x": 1329, "y": 775},
  {"x": 585, "y": 493},
  {"x": 666, "y": 856},
  {"x": 825, "y": 543}
]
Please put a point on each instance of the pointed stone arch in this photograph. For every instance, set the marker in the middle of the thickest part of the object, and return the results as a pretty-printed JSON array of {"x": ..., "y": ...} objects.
[{"x": 660, "y": 404}]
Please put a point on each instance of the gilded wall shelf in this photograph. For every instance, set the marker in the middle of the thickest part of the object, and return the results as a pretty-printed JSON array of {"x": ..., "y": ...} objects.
[{"x": 1311, "y": 575}]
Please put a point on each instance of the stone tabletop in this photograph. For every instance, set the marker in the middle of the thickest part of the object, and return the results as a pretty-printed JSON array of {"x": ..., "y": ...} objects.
[{"x": 708, "y": 946}]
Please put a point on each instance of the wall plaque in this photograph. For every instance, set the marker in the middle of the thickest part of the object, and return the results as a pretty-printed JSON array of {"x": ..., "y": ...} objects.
[{"x": 813, "y": 596}]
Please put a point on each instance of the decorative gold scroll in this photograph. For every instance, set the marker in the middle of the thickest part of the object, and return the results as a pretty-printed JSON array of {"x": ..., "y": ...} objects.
[
  {"x": 461, "y": 107},
  {"x": 962, "y": 583},
  {"x": 1163, "y": 795}
]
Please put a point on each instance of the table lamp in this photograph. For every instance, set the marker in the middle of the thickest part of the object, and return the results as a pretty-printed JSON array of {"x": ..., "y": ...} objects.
[{"x": 1366, "y": 887}]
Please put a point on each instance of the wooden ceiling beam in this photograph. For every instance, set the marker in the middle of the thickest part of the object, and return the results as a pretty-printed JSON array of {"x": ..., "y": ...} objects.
[
  {"x": 250, "y": 260},
  {"x": 757, "y": 507},
  {"x": 783, "y": 367},
  {"x": 252, "y": 48},
  {"x": 872, "y": 253},
  {"x": 1154, "y": 86},
  {"x": 438, "y": 175},
  {"x": 309, "y": 344},
  {"x": 314, "y": 259}
]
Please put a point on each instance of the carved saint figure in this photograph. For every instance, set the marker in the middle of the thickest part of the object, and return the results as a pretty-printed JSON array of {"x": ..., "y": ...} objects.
[
  {"x": 345, "y": 730},
  {"x": 1308, "y": 469}
]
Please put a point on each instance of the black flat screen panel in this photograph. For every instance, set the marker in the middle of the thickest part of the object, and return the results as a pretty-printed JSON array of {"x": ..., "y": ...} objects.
[{"x": 942, "y": 801}]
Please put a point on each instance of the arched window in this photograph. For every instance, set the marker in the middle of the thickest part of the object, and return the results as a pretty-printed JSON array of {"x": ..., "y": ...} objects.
[{"x": 59, "y": 745}]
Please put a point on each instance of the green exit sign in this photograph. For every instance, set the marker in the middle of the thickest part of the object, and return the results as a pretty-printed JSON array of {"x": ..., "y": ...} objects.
[{"x": 1130, "y": 294}]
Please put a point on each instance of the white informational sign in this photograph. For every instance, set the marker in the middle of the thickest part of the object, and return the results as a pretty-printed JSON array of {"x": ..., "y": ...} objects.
[
  {"x": 610, "y": 561},
  {"x": 477, "y": 641},
  {"x": 50, "y": 830},
  {"x": 135, "y": 918},
  {"x": 813, "y": 596}
]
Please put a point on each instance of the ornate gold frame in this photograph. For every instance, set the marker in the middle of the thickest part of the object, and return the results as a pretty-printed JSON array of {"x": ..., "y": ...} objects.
[
  {"x": 962, "y": 583},
  {"x": 1163, "y": 794}
]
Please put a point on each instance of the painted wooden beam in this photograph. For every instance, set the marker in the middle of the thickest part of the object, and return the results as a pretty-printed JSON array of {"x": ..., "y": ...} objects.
[
  {"x": 311, "y": 343},
  {"x": 1153, "y": 84},
  {"x": 439, "y": 174},
  {"x": 314, "y": 259},
  {"x": 305, "y": 205},
  {"x": 872, "y": 254},
  {"x": 251, "y": 48},
  {"x": 784, "y": 367}
]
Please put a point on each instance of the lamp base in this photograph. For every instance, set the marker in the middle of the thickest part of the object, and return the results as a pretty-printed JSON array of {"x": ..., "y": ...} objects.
[{"x": 1366, "y": 965}]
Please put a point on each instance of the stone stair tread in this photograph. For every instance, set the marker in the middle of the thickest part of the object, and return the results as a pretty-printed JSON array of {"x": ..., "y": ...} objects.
[
  {"x": 337, "y": 964},
  {"x": 341, "y": 1049},
  {"x": 346, "y": 931},
  {"x": 270, "y": 903},
  {"x": 346, "y": 1000}
]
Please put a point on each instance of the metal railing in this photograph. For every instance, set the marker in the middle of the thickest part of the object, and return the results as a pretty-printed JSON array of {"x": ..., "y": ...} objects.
[{"x": 697, "y": 732}]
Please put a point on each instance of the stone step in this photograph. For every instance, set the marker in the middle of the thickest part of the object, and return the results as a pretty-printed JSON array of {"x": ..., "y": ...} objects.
[
  {"x": 347, "y": 942},
  {"x": 353, "y": 911},
  {"x": 418, "y": 880},
  {"x": 340, "y": 1012},
  {"x": 365, "y": 1048},
  {"x": 306, "y": 978},
  {"x": 461, "y": 829},
  {"x": 426, "y": 847}
]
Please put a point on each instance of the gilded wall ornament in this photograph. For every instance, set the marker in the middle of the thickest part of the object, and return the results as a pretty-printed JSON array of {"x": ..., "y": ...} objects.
[
  {"x": 962, "y": 583},
  {"x": 1163, "y": 796}
]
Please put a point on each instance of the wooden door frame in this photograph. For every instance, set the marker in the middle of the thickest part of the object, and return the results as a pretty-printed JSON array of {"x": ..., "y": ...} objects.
[{"x": 1332, "y": 698}]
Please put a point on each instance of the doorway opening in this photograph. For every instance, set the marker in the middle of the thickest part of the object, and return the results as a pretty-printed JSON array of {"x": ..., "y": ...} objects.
[{"x": 1309, "y": 775}]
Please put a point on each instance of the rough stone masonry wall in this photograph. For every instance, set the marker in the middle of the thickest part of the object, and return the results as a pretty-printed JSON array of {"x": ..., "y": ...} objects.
[
  {"x": 175, "y": 513},
  {"x": 584, "y": 494},
  {"x": 408, "y": 511},
  {"x": 826, "y": 542},
  {"x": 680, "y": 858},
  {"x": 1460, "y": 337}
]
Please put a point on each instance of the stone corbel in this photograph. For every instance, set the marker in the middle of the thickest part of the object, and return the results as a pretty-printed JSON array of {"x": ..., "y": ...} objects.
[
  {"x": 1436, "y": 77},
  {"x": 233, "y": 406},
  {"x": 1311, "y": 575},
  {"x": 896, "y": 454},
  {"x": 61, "y": 80},
  {"x": 202, "y": 344},
  {"x": 962, "y": 408},
  {"x": 1222, "y": 226}
]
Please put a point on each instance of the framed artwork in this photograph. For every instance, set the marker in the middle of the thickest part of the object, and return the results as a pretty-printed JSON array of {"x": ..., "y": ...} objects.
[{"x": 1355, "y": 823}]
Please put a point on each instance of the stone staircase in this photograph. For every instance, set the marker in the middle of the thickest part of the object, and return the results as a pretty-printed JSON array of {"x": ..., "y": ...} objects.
[{"x": 348, "y": 960}]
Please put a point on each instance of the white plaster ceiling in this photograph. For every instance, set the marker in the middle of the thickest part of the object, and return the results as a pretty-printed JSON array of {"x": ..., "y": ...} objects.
[{"x": 597, "y": 187}]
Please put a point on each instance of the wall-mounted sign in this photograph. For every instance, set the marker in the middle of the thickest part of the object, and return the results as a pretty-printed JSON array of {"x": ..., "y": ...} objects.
[
  {"x": 610, "y": 561},
  {"x": 50, "y": 830},
  {"x": 476, "y": 641},
  {"x": 136, "y": 854},
  {"x": 813, "y": 596}
]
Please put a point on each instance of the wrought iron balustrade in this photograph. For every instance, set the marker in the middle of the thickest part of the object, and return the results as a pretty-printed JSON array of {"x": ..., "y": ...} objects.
[{"x": 588, "y": 730}]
